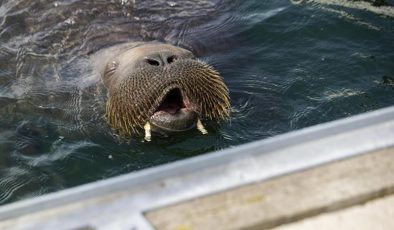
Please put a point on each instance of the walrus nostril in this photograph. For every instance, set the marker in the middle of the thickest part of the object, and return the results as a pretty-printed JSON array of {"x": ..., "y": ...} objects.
[
  {"x": 171, "y": 59},
  {"x": 152, "y": 62}
]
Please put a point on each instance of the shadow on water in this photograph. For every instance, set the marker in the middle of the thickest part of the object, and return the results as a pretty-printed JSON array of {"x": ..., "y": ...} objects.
[{"x": 288, "y": 66}]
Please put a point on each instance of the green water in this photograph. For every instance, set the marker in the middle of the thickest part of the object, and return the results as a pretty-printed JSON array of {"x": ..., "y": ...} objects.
[{"x": 288, "y": 66}]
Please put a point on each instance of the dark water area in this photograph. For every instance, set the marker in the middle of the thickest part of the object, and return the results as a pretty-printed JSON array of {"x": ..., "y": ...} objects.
[{"x": 288, "y": 66}]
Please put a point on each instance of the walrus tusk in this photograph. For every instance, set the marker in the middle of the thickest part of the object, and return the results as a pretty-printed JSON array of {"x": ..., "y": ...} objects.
[
  {"x": 147, "y": 132},
  {"x": 201, "y": 127}
]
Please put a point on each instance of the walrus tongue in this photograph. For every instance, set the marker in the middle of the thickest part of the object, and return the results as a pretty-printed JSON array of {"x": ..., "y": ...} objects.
[
  {"x": 172, "y": 103},
  {"x": 169, "y": 107},
  {"x": 173, "y": 115}
]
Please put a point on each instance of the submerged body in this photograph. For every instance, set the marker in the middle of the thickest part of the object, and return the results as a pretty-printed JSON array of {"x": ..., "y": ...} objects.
[{"x": 159, "y": 87}]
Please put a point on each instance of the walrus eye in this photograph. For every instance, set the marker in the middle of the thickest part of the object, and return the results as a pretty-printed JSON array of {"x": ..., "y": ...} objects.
[
  {"x": 171, "y": 59},
  {"x": 152, "y": 62},
  {"x": 110, "y": 70}
]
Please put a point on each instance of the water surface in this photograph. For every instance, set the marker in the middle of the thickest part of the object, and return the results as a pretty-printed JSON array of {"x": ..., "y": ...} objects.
[{"x": 288, "y": 66}]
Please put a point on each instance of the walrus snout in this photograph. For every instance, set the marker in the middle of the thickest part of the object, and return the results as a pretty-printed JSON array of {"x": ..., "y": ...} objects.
[{"x": 160, "y": 87}]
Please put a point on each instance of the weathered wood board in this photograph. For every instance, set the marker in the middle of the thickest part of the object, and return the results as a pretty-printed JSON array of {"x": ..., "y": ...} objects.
[{"x": 290, "y": 198}]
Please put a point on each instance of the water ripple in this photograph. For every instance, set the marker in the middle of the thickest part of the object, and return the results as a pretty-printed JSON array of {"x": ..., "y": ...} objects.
[
  {"x": 59, "y": 151},
  {"x": 11, "y": 181}
]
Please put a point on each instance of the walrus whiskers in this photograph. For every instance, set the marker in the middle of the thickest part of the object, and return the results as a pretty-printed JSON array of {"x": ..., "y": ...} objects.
[{"x": 149, "y": 91}]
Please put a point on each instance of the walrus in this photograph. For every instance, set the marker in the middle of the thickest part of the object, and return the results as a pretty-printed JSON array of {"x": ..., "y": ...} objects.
[{"x": 159, "y": 87}]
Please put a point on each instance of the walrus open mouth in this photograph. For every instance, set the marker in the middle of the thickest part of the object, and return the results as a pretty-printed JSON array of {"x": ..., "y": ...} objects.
[
  {"x": 172, "y": 102},
  {"x": 174, "y": 113},
  {"x": 165, "y": 99}
]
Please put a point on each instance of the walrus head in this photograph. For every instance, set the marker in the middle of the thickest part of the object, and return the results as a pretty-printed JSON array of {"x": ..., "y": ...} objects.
[{"x": 161, "y": 87}]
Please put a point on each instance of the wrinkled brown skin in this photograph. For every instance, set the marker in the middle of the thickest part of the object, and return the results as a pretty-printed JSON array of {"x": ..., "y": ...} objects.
[{"x": 140, "y": 77}]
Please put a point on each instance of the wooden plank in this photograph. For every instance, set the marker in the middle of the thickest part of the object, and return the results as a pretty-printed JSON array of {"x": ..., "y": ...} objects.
[
  {"x": 376, "y": 214},
  {"x": 285, "y": 199}
]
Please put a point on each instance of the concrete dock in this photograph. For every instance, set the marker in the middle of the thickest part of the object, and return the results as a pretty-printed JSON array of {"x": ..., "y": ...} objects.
[{"x": 356, "y": 193}]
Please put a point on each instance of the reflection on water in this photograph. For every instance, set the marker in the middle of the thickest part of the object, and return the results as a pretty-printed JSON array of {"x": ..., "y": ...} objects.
[{"x": 288, "y": 66}]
